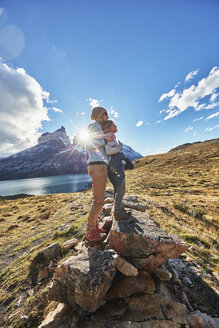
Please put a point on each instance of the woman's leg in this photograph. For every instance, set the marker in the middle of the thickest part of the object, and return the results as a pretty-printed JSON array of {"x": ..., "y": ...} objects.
[{"x": 98, "y": 174}]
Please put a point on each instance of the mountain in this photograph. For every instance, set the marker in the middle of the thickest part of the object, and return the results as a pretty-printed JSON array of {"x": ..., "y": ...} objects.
[
  {"x": 53, "y": 155},
  {"x": 130, "y": 153}
]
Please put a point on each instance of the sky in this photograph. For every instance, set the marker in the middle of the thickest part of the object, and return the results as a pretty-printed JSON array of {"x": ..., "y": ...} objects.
[{"x": 153, "y": 64}]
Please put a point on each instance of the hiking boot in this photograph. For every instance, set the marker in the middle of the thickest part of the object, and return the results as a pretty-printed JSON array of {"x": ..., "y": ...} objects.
[
  {"x": 95, "y": 236},
  {"x": 100, "y": 230},
  {"x": 121, "y": 215}
]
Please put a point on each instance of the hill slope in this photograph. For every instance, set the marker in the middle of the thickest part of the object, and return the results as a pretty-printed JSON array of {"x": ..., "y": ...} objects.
[{"x": 179, "y": 188}]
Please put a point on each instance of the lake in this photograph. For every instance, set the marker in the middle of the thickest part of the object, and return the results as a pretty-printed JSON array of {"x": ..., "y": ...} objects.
[{"x": 46, "y": 185}]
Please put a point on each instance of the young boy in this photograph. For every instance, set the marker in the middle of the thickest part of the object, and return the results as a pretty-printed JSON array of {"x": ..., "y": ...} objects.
[{"x": 116, "y": 172}]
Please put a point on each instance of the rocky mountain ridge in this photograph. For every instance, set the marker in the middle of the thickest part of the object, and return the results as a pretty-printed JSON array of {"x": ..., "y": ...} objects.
[
  {"x": 53, "y": 155},
  {"x": 186, "y": 145}
]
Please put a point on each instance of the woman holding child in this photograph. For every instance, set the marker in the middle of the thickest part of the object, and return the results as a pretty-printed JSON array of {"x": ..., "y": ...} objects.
[{"x": 100, "y": 147}]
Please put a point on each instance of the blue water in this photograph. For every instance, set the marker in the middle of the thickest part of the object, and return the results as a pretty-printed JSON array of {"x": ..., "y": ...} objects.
[{"x": 46, "y": 185}]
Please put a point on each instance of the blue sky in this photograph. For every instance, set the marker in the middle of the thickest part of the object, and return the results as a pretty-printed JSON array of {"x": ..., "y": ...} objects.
[{"x": 153, "y": 64}]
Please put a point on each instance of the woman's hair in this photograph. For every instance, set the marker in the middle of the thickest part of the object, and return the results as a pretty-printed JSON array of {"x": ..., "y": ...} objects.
[
  {"x": 106, "y": 125},
  {"x": 97, "y": 114}
]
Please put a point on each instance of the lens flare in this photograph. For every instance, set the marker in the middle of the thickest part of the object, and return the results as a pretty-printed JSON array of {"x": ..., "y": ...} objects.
[{"x": 84, "y": 135}]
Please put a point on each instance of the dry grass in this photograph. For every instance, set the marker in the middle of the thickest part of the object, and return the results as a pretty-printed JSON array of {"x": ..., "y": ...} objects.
[
  {"x": 180, "y": 190},
  {"x": 182, "y": 194}
]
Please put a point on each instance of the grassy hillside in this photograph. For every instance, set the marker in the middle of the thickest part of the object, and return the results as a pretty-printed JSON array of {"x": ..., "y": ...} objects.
[{"x": 180, "y": 189}]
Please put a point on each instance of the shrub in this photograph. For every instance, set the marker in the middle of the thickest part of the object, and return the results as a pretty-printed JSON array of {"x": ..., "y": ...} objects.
[{"x": 181, "y": 207}]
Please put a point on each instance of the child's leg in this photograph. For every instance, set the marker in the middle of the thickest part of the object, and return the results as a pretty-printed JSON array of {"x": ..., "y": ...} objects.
[{"x": 118, "y": 196}]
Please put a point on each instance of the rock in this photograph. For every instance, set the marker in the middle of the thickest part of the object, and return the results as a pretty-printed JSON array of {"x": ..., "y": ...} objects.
[
  {"x": 52, "y": 266},
  {"x": 141, "y": 316},
  {"x": 150, "y": 304},
  {"x": 139, "y": 236},
  {"x": 149, "y": 263},
  {"x": 162, "y": 273},
  {"x": 106, "y": 210},
  {"x": 13, "y": 226},
  {"x": 70, "y": 244},
  {"x": 43, "y": 274},
  {"x": 42, "y": 259},
  {"x": 80, "y": 247},
  {"x": 113, "y": 309},
  {"x": 127, "y": 286},
  {"x": 129, "y": 324},
  {"x": 161, "y": 324},
  {"x": 195, "y": 321},
  {"x": 176, "y": 312},
  {"x": 125, "y": 267},
  {"x": 84, "y": 280},
  {"x": 108, "y": 200},
  {"x": 208, "y": 321},
  {"x": 134, "y": 206},
  {"x": 51, "y": 252},
  {"x": 106, "y": 223},
  {"x": 60, "y": 318},
  {"x": 131, "y": 198}
]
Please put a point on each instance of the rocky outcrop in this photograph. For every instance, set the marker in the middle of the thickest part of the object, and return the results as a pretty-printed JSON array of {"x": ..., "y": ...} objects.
[
  {"x": 83, "y": 280},
  {"x": 136, "y": 281},
  {"x": 42, "y": 264},
  {"x": 148, "y": 239}
]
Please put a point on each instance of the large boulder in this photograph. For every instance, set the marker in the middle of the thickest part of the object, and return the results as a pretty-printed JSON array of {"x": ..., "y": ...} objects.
[
  {"x": 139, "y": 236},
  {"x": 84, "y": 280},
  {"x": 38, "y": 267}
]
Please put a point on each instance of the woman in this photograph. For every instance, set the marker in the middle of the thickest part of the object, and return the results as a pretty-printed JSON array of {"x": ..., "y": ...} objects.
[{"x": 97, "y": 169}]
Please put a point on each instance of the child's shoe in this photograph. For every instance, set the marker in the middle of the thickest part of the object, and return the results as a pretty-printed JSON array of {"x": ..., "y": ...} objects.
[{"x": 121, "y": 215}]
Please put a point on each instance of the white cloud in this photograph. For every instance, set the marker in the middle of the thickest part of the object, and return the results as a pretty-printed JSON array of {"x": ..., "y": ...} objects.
[
  {"x": 139, "y": 123},
  {"x": 190, "y": 128},
  {"x": 211, "y": 116},
  {"x": 214, "y": 96},
  {"x": 1, "y": 10},
  {"x": 198, "y": 119},
  {"x": 176, "y": 86},
  {"x": 22, "y": 109},
  {"x": 83, "y": 113},
  {"x": 57, "y": 110},
  {"x": 210, "y": 129},
  {"x": 113, "y": 112},
  {"x": 210, "y": 106},
  {"x": 51, "y": 101},
  {"x": 58, "y": 53},
  {"x": 194, "y": 133},
  {"x": 158, "y": 122},
  {"x": 191, "y": 75},
  {"x": 94, "y": 102},
  {"x": 192, "y": 96},
  {"x": 167, "y": 95},
  {"x": 159, "y": 151}
]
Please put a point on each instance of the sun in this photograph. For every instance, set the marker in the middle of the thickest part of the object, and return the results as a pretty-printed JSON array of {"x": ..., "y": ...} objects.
[{"x": 84, "y": 135}]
